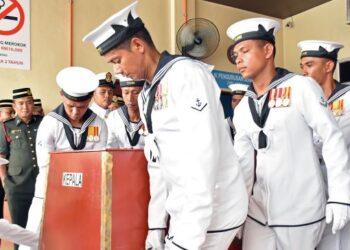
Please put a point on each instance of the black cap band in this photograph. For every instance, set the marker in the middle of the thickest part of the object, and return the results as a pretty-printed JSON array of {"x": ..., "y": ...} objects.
[
  {"x": 79, "y": 98},
  {"x": 132, "y": 83},
  {"x": 37, "y": 103},
  {"x": 6, "y": 103},
  {"x": 260, "y": 34},
  {"x": 321, "y": 53},
  {"x": 104, "y": 83},
  {"x": 238, "y": 92},
  {"x": 121, "y": 34},
  {"x": 19, "y": 93}
]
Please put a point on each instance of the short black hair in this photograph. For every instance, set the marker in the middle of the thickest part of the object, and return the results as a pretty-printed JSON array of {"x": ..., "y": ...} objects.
[
  {"x": 143, "y": 34},
  {"x": 263, "y": 42}
]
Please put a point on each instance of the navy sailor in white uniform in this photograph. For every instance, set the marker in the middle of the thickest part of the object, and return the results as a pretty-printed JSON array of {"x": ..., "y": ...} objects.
[
  {"x": 318, "y": 60},
  {"x": 125, "y": 122},
  {"x": 274, "y": 124},
  {"x": 70, "y": 126},
  {"x": 237, "y": 91},
  {"x": 103, "y": 95},
  {"x": 186, "y": 138}
]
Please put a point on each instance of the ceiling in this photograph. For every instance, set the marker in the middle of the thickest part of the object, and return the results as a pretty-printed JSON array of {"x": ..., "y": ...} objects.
[{"x": 274, "y": 8}]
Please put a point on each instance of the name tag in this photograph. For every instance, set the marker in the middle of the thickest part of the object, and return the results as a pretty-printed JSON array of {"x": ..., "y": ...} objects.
[{"x": 72, "y": 179}]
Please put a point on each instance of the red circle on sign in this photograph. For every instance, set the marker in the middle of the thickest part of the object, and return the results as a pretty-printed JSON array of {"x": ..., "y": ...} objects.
[{"x": 14, "y": 5}]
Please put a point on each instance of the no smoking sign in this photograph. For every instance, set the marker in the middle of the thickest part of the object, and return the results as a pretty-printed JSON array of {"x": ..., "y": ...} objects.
[{"x": 11, "y": 17}]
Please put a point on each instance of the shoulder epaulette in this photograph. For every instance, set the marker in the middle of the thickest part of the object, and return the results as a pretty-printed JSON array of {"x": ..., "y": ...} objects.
[{"x": 8, "y": 120}]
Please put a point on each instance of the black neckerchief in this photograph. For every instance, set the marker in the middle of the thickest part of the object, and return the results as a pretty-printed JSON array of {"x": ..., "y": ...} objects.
[
  {"x": 340, "y": 89},
  {"x": 165, "y": 62},
  {"x": 281, "y": 76},
  {"x": 134, "y": 140},
  {"x": 60, "y": 114},
  {"x": 133, "y": 136}
]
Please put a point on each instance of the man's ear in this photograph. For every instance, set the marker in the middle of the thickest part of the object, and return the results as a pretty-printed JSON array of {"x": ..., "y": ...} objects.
[
  {"x": 269, "y": 50},
  {"x": 330, "y": 66},
  {"x": 137, "y": 44}
]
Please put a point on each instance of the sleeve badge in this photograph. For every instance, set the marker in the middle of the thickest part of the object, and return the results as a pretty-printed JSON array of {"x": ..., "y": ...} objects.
[
  {"x": 323, "y": 102},
  {"x": 199, "y": 105}
]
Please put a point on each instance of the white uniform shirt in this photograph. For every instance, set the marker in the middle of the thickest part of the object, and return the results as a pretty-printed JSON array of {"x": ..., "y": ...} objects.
[
  {"x": 121, "y": 131},
  {"x": 288, "y": 188},
  {"x": 343, "y": 116},
  {"x": 339, "y": 102},
  {"x": 18, "y": 235},
  {"x": 197, "y": 161},
  {"x": 101, "y": 112},
  {"x": 51, "y": 137}
]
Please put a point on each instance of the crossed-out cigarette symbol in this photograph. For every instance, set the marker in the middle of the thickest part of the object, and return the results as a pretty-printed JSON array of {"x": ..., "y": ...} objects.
[{"x": 14, "y": 18}]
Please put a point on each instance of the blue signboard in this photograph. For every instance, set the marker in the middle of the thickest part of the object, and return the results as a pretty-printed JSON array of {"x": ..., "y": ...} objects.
[{"x": 225, "y": 78}]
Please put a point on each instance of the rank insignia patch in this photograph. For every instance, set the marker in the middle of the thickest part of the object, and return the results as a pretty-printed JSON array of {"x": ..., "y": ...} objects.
[{"x": 199, "y": 105}]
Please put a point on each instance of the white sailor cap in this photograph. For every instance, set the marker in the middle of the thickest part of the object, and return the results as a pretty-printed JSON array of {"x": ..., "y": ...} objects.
[
  {"x": 106, "y": 79},
  {"x": 77, "y": 83},
  {"x": 318, "y": 48},
  {"x": 238, "y": 88},
  {"x": 253, "y": 29},
  {"x": 128, "y": 82},
  {"x": 116, "y": 29},
  {"x": 3, "y": 161}
]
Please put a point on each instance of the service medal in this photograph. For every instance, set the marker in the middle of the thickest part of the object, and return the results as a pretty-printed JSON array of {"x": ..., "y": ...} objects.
[
  {"x": 279, "y": 97},
  {"x": 93, "y": 133},
  {"x": 271, "y": 103},
  {"x": 278, "y": 102},
  {"x": 286, "y": 96},
  {"x": 337, "y": 107},
  {"x": 286, "y": 102}
]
